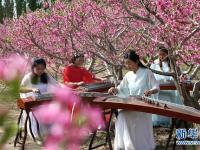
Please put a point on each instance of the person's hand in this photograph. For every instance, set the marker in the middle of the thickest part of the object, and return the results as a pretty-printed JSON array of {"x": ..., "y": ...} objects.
[
  {"x": 80, "y": 83},
  {"x": 148, "y": 93},
  {"x": 112, "y": 91},
  {"x": 35, "y": 90}
]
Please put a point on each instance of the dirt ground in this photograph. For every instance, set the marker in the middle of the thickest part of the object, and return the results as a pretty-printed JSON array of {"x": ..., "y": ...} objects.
[{"x": 160, "y": 134}]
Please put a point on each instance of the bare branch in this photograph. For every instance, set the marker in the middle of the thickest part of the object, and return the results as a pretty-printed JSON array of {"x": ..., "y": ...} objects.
[
  {"x": 154, "y": 13},
  {"x": 189, "y": 69},
  {"x": 102, "y": 58},
  {"x": 159, "y": 72},
  {"x": 120, "y": 33},
  {"x": 146, "y": 62},
  {"x": 186, "y": 63},
  {"x": 45, "y": 51},
  {"x": 149, "y": 37},
  {"x": 99, "y": 70},
  {"x": 72, "y": 42},
  {"x": 91, "y": 63},
  {"x": 194, "y": 73},
  {"x": 126, "y": 48},
  {"x": 134, "y": 15},
  {"x": 162, "y": 73},
  {"x": 189, "y": 36}
]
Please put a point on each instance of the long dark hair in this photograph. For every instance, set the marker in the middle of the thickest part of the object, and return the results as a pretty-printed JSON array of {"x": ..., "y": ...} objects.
[
  {"x": 131, "y": 55},
  {"x": 35, "y": 79},
  {"x": 75, "y": 56},
  {"x": 165, "y": 50}
]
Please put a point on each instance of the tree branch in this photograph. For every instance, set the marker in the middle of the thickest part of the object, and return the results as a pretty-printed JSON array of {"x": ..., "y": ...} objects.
[
  {"x": 189, "y": 36},
  {"x": 154, "y": 13},
  {"x": 102, "y": 58},
  {"x": 162, "y": 73},
  {"x": 134, "y": 15},
  {"x": 186, "y": 63},
  {"x": 196, "y": 90},
  {"x": 91, "y": 63},
  {"x": 194, "y": 73},
  {"x": 189, "y": 69},
  {"x": 45, "y": 51}
]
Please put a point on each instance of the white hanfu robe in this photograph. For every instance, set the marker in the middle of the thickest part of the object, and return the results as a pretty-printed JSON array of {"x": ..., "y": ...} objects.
[
  {"x": 134, "y": 130},
  {"x": 166, "y": 95},
  {"x": 44, "y": 88}
]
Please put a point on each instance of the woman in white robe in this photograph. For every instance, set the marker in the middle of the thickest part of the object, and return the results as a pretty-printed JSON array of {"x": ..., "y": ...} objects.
[
  {"x": 34, "y": 83},
  {"x": 134, "y": 130},
  {"x": 162, "y": 64}
]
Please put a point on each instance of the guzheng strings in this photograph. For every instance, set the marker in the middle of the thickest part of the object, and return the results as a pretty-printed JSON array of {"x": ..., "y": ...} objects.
[{"x": 173, "y": 104}]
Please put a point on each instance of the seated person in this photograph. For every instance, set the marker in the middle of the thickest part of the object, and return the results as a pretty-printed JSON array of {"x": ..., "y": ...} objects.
[
  {"x": 133, "y": 129},
  {"x": 163, "y": 64},
  {"x": 76, "y": 75},
  {"x": 36, "y": 81}
]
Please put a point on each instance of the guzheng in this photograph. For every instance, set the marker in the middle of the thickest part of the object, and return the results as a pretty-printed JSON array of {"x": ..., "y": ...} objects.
[
  {"x": 104, "y": 86},
  {"x": 148, "y": 105},
  {"x": 29, "y": 103},
  {"x": 96, "y": 87},
  {"x": 171, "y": 86}
]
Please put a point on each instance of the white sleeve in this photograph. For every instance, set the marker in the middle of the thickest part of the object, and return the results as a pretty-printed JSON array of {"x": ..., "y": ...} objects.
[
  {"x": 26, "y": 81},
  {"x": 123, "y": 90},
  {"x": 153, "y": 66},
  {"x": 153, "y": 83}
]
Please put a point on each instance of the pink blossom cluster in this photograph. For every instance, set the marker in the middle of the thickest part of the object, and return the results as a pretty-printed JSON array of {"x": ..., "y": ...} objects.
[
  {"x": 13, "y": 67},
  {"x": 69, "y": 121}
]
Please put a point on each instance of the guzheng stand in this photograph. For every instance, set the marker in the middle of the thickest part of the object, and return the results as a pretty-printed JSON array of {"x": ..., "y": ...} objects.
[
  {"x": 101, "y": 87},
  {"x": 176, "y": 123},
  {"x": 26, "y": 109},
  {"x": 108, "y": 127},
  {"x": 27, "y": 105}
]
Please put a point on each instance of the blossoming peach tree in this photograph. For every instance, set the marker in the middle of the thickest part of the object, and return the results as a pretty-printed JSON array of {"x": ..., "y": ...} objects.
[
  {"x": 107, "y": 29},
  {"x": 69, "y": 121}
]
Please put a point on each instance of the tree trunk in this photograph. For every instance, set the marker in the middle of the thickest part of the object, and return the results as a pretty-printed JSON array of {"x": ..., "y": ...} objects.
[
  {"x": 14, "y": 9},
  {"x": 8, "y": 9},
  {"x": 120, "y": 73},
  {"x": 184, "y": 93},
  {"x": 1, "y": 12}
]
